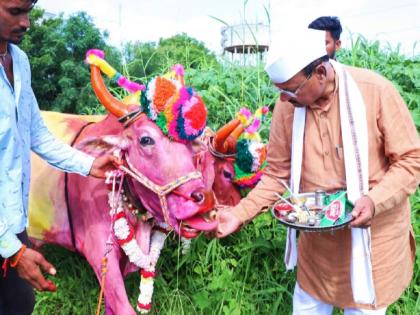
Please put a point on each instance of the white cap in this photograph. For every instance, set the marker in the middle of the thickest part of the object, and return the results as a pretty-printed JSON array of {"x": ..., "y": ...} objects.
[{"x": 291, "y": 52}]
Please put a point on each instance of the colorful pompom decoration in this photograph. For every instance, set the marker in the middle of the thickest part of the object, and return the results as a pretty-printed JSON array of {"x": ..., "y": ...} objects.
[
  {"x": 177, "y": 109},
  {"x": 252, "y": 123},
  {"x": 251, "y": 153}
]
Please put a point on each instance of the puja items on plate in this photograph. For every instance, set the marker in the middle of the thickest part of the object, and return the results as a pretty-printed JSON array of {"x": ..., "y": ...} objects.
[
  {"x": 336, "y": 209},
  {"x": 317, "y": 210}
]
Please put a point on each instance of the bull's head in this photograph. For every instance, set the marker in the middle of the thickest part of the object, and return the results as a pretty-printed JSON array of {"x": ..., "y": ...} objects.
[
  {"x": 238, "y": 163},
  {"x": 223, "y": 148},
  {"x": 156, "y": 145}
]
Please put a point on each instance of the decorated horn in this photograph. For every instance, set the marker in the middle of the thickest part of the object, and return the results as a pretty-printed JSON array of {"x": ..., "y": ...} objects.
[
  {"x": 113, "y": 105},
  {"x": 233, "y": 138},
  {"x": 95, "y": 58},
  {"x": 236, "y": 133},
  {"x": 220, "y": 142}
]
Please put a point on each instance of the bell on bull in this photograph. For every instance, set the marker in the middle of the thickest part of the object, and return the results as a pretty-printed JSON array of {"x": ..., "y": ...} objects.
[{"x": 161, "y": 188}]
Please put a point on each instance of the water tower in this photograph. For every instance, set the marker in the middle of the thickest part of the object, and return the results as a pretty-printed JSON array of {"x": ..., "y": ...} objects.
[{"x": 246, "y": 43}]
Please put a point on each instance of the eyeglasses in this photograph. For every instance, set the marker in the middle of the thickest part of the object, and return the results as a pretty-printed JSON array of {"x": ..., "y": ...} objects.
[{"x": 294, "y": 94}]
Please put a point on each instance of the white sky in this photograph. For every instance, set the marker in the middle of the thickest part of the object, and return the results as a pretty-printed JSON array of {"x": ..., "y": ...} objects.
[{"x": 149, "y": 20}]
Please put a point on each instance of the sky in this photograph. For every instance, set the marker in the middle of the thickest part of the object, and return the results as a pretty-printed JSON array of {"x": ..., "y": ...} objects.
[{"x": 149, "y": 20}]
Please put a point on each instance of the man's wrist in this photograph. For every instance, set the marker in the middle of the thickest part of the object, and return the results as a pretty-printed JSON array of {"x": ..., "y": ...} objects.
[
  {"x": 372, "y": 204},
  {"x": 238, "y": 214},
  {"x": 9, "y": 244},
  {"x": 14, "y": 260}
]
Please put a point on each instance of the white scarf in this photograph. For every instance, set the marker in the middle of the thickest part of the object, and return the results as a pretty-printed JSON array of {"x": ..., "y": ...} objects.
[{"x": 355, "y": 145}]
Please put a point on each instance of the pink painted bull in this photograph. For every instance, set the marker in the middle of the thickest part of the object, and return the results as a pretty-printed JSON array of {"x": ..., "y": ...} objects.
[
  {"x": 217, "y": 164},
  {"x": 161, "y": 189},
  {"x": 224, "y": 161}
]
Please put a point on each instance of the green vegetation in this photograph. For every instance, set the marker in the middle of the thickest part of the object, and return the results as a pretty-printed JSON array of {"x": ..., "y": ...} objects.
[
  {"x": 149, "y": 59},
  {"x": 402, "y": 71},
  {"x": 57, "y": 48},
  {"x": 244, "y": 273}
]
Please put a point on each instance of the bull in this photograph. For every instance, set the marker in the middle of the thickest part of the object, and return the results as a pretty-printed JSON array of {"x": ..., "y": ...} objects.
[
  {"x": 120, "y": 226},
  {"x": 232, "y": 167}
]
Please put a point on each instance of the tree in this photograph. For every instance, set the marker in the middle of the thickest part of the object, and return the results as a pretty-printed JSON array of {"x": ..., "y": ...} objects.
[
  {"x": 56, "y": 50},
  {"x": 148, "y": 59},
  {"x": 185, "y": 50}
]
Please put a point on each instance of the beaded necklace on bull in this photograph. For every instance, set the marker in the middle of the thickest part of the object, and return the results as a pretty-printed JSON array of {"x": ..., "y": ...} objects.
[{"x": 162, "y": 102}]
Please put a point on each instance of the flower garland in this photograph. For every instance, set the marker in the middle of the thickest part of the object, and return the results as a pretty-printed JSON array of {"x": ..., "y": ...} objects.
[
  {"x": 185, "y": 245},
  {"x": 125, "y": 237}
]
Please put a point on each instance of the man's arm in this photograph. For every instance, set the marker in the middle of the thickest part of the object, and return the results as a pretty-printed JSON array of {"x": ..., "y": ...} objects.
[
  {"x": 402, "y": 149},
  {"x": 9, "y": 242},
  {"x": 55, "y": 152},
  {"x": 28, "y": 262},
  {"x": 278, "y": 167}
]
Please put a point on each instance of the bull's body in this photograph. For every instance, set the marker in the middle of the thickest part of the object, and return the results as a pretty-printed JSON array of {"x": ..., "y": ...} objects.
[
  {"x": 49, "y": 211},
  {"x": 79, "y": 221},
  {"x": 49, "y": 214},
  {"x": 73, "y": 211}
]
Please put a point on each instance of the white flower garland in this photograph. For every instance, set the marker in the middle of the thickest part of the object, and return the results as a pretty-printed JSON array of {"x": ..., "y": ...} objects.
[
  {"x": 125, "y": 236},
  {"x": 185, "y": 245}
]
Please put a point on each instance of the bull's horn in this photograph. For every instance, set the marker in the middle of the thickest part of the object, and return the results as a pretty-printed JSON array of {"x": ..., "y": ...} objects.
[
  {"x": 237, "y": 132},
  {"x": 233, "y": 137},
  {"x": 113, "y": 105},
  {"x": 220, "y": 143}
]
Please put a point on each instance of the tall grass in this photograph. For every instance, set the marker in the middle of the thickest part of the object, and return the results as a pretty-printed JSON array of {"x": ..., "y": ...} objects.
[
  {"x": 244, "y": 273},
  {"x": 404, "y": 72}
]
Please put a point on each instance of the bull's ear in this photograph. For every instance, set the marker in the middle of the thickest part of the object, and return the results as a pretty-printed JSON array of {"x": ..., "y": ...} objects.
[{"x": 102, "y": 145}]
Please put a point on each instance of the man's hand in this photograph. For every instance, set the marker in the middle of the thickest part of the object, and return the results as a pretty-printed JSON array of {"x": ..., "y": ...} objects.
[
  {"x": 228, "y": 223},
  {"x": 103, "y": 164},
  {"x": 363, "y": 212},
  {"x": 29, "y": 266}
]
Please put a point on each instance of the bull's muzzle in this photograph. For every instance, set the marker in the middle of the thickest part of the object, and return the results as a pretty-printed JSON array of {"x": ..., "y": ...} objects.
[{"x": 205, "y": 200}]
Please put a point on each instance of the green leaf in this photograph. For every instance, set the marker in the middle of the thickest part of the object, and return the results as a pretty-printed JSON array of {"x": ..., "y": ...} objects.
[{"x": 201, "y": 299}]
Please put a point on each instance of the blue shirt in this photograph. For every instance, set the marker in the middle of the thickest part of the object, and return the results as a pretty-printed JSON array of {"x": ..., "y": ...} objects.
[{"x": 22, "y": 130}]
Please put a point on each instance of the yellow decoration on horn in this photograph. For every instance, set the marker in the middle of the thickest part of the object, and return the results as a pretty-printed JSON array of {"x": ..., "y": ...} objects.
[
  {"x": 132, "y": 99},
  {"x": 102, "y": 64}
]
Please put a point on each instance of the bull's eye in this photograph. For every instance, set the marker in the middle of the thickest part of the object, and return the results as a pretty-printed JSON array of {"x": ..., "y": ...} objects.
[
  {"x": 227, "y": 174},
  {"x": 144, "y": 141}
]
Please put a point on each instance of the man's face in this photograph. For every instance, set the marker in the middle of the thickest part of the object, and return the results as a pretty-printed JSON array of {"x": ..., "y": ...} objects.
[
  {"x": 331, "y": 44},
  {"x": 303, "y": 90},
  {"x": 14, "y": 19},
  {"x": 298, "y": 90}
]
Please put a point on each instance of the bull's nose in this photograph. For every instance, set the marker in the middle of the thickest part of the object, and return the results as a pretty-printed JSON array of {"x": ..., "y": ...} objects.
[{"x": 198, "y": 196}]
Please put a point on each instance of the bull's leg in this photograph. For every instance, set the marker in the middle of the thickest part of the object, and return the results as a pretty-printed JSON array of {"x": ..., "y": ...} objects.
[{"x": 115, "y": 295}]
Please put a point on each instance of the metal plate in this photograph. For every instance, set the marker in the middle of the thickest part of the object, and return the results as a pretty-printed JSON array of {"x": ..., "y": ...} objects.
[{"x": 310, "y": 200}]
